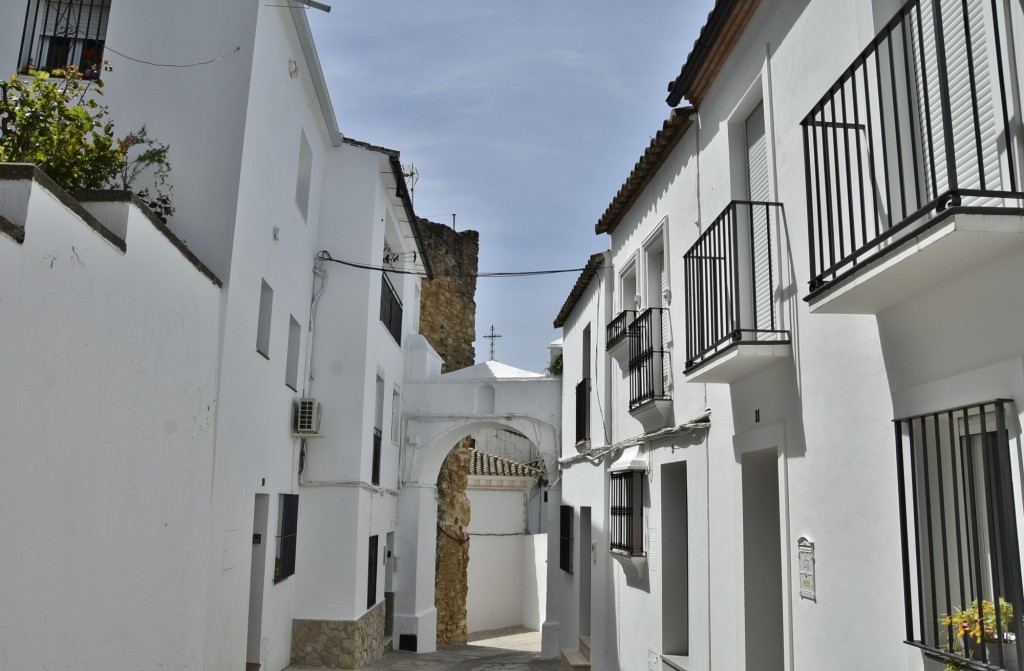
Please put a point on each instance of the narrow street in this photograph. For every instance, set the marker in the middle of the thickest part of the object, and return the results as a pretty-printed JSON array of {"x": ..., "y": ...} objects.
[{"x": 513, "y": 650}]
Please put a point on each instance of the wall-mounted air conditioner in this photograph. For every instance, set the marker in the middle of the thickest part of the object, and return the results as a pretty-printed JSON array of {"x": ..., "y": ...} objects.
[{"x": 306, "y": 420}]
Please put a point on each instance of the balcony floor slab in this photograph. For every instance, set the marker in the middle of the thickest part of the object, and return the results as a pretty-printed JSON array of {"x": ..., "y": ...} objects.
[
  {"x": 960, "y": 241},
  {"x": 739, "y": 361}
]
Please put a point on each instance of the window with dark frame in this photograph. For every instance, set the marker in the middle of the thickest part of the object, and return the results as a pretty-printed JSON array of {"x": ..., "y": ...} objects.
[
  {"x": 375, "y": 464},
  {"x": 371, "y": 579},
  {"x": 390, "y": 309},
  {"x": 565, "y": 544},
  {"x": 288, "y": 522},
  {"x": 627, "y": 513},
  {"x": 958, "y": 524}
]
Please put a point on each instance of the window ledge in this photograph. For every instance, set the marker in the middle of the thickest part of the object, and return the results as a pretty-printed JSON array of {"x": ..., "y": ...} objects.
[
  {"x": 263, "y": 354},
  {"x": 677, "y": 662}
]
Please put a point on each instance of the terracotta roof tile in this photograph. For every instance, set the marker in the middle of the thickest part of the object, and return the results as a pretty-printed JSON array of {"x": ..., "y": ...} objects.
[{"x": 488, "y": 464}]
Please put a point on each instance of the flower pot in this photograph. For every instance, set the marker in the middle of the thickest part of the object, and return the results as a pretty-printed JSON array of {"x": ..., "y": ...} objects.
[{"x": 1009, "y": 655}]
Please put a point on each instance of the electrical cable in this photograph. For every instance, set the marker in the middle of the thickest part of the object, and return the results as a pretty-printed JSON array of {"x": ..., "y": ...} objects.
[
  {"x": 107, "y": 47},
  {"x": 326, "y": 256}
]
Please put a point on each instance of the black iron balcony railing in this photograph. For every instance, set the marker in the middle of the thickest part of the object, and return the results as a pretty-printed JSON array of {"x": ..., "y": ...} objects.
[
  {"x": 583, "y": 410},
  {"x": 648, "y": 360},
  {"x": 920, "y": 122},
  {"x": 731, "y": 282},
  {"x": 59, "y": 33},
  {"x": 390, "y": 309},
  {"x": 618, "y": 328},
  {"x": 375, "y": 464},
  {"x": 958, "y": 524}
]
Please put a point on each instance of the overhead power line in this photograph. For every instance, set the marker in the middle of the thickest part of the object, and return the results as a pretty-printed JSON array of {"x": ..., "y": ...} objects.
[{"x": 326, "y": 256}]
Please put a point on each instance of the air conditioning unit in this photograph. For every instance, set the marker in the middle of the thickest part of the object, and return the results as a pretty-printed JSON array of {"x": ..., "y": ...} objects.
[{"x": 306, "y": 423}]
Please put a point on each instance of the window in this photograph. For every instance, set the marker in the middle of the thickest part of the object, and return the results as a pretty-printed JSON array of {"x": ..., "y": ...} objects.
[
  {"x": 287, "y": 525},
  {"x": 291, "y": 373},
  {"x": 565, "y": 539},
  {"x": 371, "y": 578},
  {"x": 958, "y": 522},
  {"x": 305, "y": 173},
  {"x": 58, "y": 33},
  {"x": 396, "y": 415},
  {"x": 263, "y": 324},
  {"x": 375, "y": 464},
  {"x": 390, "y": 309},
  {"x": 583, "y": 392},
  {"x": 627, "y": 513}
]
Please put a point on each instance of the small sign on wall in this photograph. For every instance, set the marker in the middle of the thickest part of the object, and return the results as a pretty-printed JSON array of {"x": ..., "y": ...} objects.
[{"x": 805, "y": 556}]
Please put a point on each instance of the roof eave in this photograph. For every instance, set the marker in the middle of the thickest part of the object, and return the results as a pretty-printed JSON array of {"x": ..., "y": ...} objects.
[
  {"x": 589, "y": 271},
  {"x": 646, "y": 168},
  {"x": 316, "y": 72}
]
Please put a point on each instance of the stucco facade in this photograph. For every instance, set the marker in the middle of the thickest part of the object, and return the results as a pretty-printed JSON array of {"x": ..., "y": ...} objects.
[{"x": 815, "y": 370}]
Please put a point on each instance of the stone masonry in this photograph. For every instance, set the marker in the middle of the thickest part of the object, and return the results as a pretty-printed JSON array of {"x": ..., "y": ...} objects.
[
  {"x": 453, "y": 513},
  {"x": 339, "y": 644},
  {"x": 448, "y": 302},
  {"x": 448, "y": 322}
]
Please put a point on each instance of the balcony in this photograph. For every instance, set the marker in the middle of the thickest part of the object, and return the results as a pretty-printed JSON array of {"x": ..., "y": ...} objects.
[
  {"x": 617, "y": 337},
  {"x": 59, "y": 33},
  {"x": 732, "y": 290},
  {"x": 649, "y": 370},
  {"x": 912, "y": 163},
  {"x": 583, "y": 413}
]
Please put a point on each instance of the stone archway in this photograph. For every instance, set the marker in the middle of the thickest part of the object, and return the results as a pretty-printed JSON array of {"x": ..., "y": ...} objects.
[{"x": 451, "y": 563}]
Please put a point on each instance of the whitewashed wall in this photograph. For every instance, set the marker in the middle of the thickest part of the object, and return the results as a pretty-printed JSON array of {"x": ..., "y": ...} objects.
[{"x": 108, "y": 399}]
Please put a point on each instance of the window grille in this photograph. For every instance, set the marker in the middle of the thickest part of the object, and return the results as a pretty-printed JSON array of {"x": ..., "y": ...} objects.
[
  {"x": 375, "y": 468},
  {"x": 627, "y": 512},
  {"x": 390, "y": 309},
  {"x": 647, "y": 358},
  {"x": 583, "y": 410},
  {"x": 284, "y": 565},
  {"x": 59, "y": 33},
  {"x": 565, "y": 545},
  {"x": 958, "y": 524}
]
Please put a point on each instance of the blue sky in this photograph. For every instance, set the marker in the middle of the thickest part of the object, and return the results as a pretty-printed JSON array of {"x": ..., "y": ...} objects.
[{"x": 523, "y": 117}]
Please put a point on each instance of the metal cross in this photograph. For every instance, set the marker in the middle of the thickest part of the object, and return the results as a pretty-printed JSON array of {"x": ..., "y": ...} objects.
[{"x": 492, "y": 336}]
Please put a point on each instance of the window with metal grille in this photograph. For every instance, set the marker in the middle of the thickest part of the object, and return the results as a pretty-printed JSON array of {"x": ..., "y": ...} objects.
[
  {"x": 375, "y": 467},
  {"x": 371, "y": 579},
  {"x": 565, "y": 545},
  {"x": 958, "y": 524},
  {"x": 583, "y": 410},
  {"x": 390, "y": 309},
  {"x": 288, "y": 523},
  {"x": 627, "y": 513},
  {"x": 59, "y": 33}
]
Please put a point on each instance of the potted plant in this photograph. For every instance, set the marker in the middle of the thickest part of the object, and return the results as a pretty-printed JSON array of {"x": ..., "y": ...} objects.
[{"x": 977, "y": 625}]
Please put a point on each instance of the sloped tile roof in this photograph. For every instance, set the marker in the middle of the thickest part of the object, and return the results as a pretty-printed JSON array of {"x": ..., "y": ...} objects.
[
  {"x": 661, "y": 146},
  {"x": 593, "y": 265},
  {"x": 488, "y": 464},
  {"x": 726, "y": 22}
]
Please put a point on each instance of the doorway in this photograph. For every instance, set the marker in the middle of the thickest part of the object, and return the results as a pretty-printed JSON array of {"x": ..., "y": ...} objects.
[
  {"x": 583, "y": 570},
  {"x": 762, "y": 562},
  {"x": 257, "y": 574},
  {"x": 675, "y": 623}
]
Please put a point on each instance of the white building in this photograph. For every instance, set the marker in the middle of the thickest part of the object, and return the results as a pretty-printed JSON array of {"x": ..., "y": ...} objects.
[
  {"x": 268, "y": 193},
  {"x": 824, "y": 250}
]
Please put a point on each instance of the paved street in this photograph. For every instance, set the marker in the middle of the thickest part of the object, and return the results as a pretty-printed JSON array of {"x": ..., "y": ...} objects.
[{"x": 511, "y": 650}]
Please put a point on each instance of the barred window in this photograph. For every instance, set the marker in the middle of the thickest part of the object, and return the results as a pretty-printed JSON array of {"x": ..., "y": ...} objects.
[
  {"x": 627, "y": 513},
  {"x": 59, "y": 33},
  {"x": 288, "y": 523},
  {"x": 958, "y": 522}
]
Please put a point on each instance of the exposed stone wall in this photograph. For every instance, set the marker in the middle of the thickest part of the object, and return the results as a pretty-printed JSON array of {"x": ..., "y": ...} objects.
[
  {"x": 448, "y": 302},
  {"x": 452, "y": 582},
  {"x": 339, "y": 644}
]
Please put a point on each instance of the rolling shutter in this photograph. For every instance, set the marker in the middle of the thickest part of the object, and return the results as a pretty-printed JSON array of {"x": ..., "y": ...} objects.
[{"x": 759, "y": 190}]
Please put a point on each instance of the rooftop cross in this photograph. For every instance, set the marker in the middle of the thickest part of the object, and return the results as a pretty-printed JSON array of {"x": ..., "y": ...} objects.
[{"x": 492, "y": 336}]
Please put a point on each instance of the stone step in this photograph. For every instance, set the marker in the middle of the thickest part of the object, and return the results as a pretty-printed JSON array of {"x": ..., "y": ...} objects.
[
  {"x": 573, "y": 660},
  {"x": 585, "y": 646}
]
